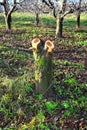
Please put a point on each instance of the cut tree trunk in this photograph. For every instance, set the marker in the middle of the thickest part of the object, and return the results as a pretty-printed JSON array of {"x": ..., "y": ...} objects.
[
  {"x": 8, "y": 22},
  {"x": 42, "y": 53},
  {"x": 59, "y": 27}
]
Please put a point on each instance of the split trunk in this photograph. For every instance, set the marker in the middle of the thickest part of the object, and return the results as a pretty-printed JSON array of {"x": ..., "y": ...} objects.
[{"x": 42, "y": 52}]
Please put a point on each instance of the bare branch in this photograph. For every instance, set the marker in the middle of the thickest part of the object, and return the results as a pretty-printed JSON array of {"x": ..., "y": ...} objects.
[{"x": 50, "y": 4}]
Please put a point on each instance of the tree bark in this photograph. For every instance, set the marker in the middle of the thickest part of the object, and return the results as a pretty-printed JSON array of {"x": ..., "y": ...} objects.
[
  {"x": 42, "y": 53},
  {"x": 78, "y": 13},
  {"x": 59, "y": 27},
  {"x": 37, "y": 19},
  {"x": 78, "y": 20},
  {"x": 8, "y": 20}
]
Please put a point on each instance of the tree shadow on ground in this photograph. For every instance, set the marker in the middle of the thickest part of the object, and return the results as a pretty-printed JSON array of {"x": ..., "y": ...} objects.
[{"x": 81, "y": 30}]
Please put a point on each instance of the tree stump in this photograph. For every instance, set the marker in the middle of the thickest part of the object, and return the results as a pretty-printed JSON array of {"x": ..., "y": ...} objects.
[{"x": 42, "y": 52}]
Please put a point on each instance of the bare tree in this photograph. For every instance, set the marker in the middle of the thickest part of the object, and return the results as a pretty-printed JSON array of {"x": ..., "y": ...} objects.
[
  {"x": 81, "y": 7},
  {"x": 8, "y": 9},
  {"x": 76, "y": 5},
  {"x": 60, "y": 10},
  {"x": 60, "y": 18},
  {"x": 33, "y": 6},
  {"x": 78, "y": 13}
]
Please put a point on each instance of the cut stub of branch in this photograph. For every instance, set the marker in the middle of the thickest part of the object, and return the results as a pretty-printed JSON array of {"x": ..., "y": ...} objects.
[
  {"x": 35, "y": 43},
  {"x": 42, "y": 52},
  {"x": 49, "y": 45}
]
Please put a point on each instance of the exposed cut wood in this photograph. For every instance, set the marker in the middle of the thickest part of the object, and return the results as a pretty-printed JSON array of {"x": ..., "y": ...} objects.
[
  {"x": 49, "y": 45},
  {"x": 35, "y": 43}
]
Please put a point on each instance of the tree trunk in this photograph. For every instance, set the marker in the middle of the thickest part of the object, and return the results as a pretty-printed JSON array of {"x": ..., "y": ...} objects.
[
  {"x": 43, "y": 65},
  {"x": 37, "y": 19},
  {"x": 59, "y": 27},
  {"x": 78, "y": 20},
  {"x": 8, "y": 22}
]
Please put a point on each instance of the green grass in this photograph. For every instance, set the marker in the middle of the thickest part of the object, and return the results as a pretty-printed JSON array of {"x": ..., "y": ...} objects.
[{"x": 20, "y": 107}]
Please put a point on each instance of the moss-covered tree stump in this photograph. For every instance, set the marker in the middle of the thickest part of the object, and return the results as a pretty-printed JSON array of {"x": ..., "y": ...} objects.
[{"x": 42, "y": 52}]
